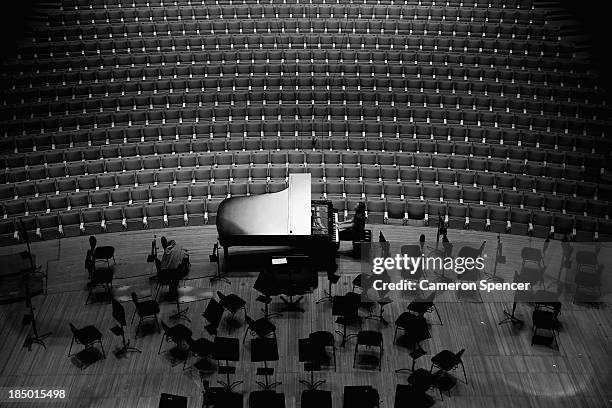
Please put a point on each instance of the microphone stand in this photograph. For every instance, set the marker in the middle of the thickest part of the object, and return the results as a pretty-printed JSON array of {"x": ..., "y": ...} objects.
[
  {"x": 510, "y": 317},
  {"x": 31, "y": 318},
  {"x": 499, "y": 259}
]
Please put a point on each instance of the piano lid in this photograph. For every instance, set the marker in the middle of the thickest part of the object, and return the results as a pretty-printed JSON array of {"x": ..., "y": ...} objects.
[{"x": 286, "y": 212}]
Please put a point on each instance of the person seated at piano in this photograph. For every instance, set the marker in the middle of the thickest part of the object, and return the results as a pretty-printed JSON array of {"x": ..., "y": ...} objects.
[
  {"x": 175, "y": 257},
  {"x": 353, "y": 229}
]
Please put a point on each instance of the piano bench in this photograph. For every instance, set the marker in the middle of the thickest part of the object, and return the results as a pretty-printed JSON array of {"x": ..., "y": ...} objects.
[{"x": 357, "y": 244}]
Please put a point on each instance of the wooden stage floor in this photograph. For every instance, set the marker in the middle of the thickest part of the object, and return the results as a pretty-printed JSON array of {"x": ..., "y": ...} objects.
[{"x": 503, "y": 369}]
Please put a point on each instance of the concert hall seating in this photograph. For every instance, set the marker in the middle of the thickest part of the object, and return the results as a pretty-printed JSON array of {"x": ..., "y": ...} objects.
[{"x": 124, "y": 114}]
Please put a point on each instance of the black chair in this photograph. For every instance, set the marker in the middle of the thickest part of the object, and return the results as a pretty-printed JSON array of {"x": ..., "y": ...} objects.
[
  {"x": 447, "y": 361},
  {"x": 445, "y": 383},
  {"x": 360, "y": 242},
  {"x": 202, "y": 348},
  {"x": 324, "y": 339},
  {"x": 316, "y": 399},
  {"x": 266, "y": 399},
  {"x": 165, "y": 277},
  {"x": 265, "y": 349},
  {"x": 105, "y": 254},
  {"x": 421, "y": 306},
  {"x": 415, "y": 328},
  {"x": 86, "y": 336},
  {"x": 119, "y": 330},
  {"x": 232, "y": 303},
  {"x": 545, "y": 320},
  {"x": 100, "y": 277},
  {"x": 145, "y": 310},
  {"x": 227, "y": 349},
  {"x": 178, "y": 334},
  {"x": 213, "y": 313},
  {"x": 260, "y": 327},
  {"x": 369, "y": 338}
]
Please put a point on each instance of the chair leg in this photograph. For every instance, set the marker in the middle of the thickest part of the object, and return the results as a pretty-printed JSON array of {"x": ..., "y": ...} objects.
[
  {"x": 137, "y": 328},
  {"x": 334, "y": 358},
  {"x": 161, "y": 343},
  {"x": 464, "y": 376},
  {"x": 102, "y": 347},
  {"x": 71, "y": 343},
  {"x": 438, "y": 314}
]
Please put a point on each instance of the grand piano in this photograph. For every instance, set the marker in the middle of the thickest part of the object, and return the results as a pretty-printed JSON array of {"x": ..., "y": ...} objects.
[{"x": 285, "y": 218}]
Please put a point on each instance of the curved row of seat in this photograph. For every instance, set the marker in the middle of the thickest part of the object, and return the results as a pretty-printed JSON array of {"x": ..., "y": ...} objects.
[
  {"x": 176, "y": 30},
  {"x": 97, "y": 220},
  {"x": 201, "y": 188},
  {"x": 528, "y": 63},
  {"x": 389, "y": 69}
]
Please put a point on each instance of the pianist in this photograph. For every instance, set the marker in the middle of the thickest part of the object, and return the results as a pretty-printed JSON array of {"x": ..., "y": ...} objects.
[
  {"x": 175, "y": 257},
  {"x": 353, "y": 230}
]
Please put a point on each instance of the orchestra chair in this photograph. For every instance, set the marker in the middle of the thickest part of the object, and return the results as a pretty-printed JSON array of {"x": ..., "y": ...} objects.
[
  {"x": 213, "y": 313},
  {"x": 202, "y": 348},
  {"x": 545, "y": 320},
  {"x": 178, "y": 334},
  {"x": 265, "y": 349},
  {"x": 369, "y": 338},
  {"x": 261, "y": 327},
  {"x": 415, "y": 328},
  {"x": 421, "y": 306},
  {"x": 119, "y": 330},
  {"x": 232, "y": 303},
  {"x": 145, "y": 310},
  {"x": 165, "y": 277},
  {"x": 447, "y": 361},
  {"x": 324, "y": 339},
  {"x": 227, "y": 349},
  {"x": 86, "y": 336},
  {"x": 105, "y": 254},
  {"x": 100, "y": 277}
]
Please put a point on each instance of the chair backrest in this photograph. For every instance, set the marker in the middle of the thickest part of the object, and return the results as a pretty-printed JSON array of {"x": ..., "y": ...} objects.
[{"x": 135, "y": 299}]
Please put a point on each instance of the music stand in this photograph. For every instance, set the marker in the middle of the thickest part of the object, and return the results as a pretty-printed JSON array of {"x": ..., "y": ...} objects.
[
  {"x": 214, "y": 257},
  {"x": 213, "y": 313},
  {"x": 499, "y": 259},
  {"x": 227, "y": 349},
  {"x": 30, "y": 318},
  {"x": 510, "y": 317},
  {"x": 172, "y": 401},
  {"x": 180, "y": 314},
  {"x": 265, "y": 349},
  {"x": 310, "y": 355},
  {"x": 346, "y": 308},
  {"x": 119, "y": 316}
]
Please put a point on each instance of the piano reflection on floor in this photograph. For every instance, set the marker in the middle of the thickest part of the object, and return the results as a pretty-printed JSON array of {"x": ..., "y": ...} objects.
[{"x": 285, "y": 218}]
